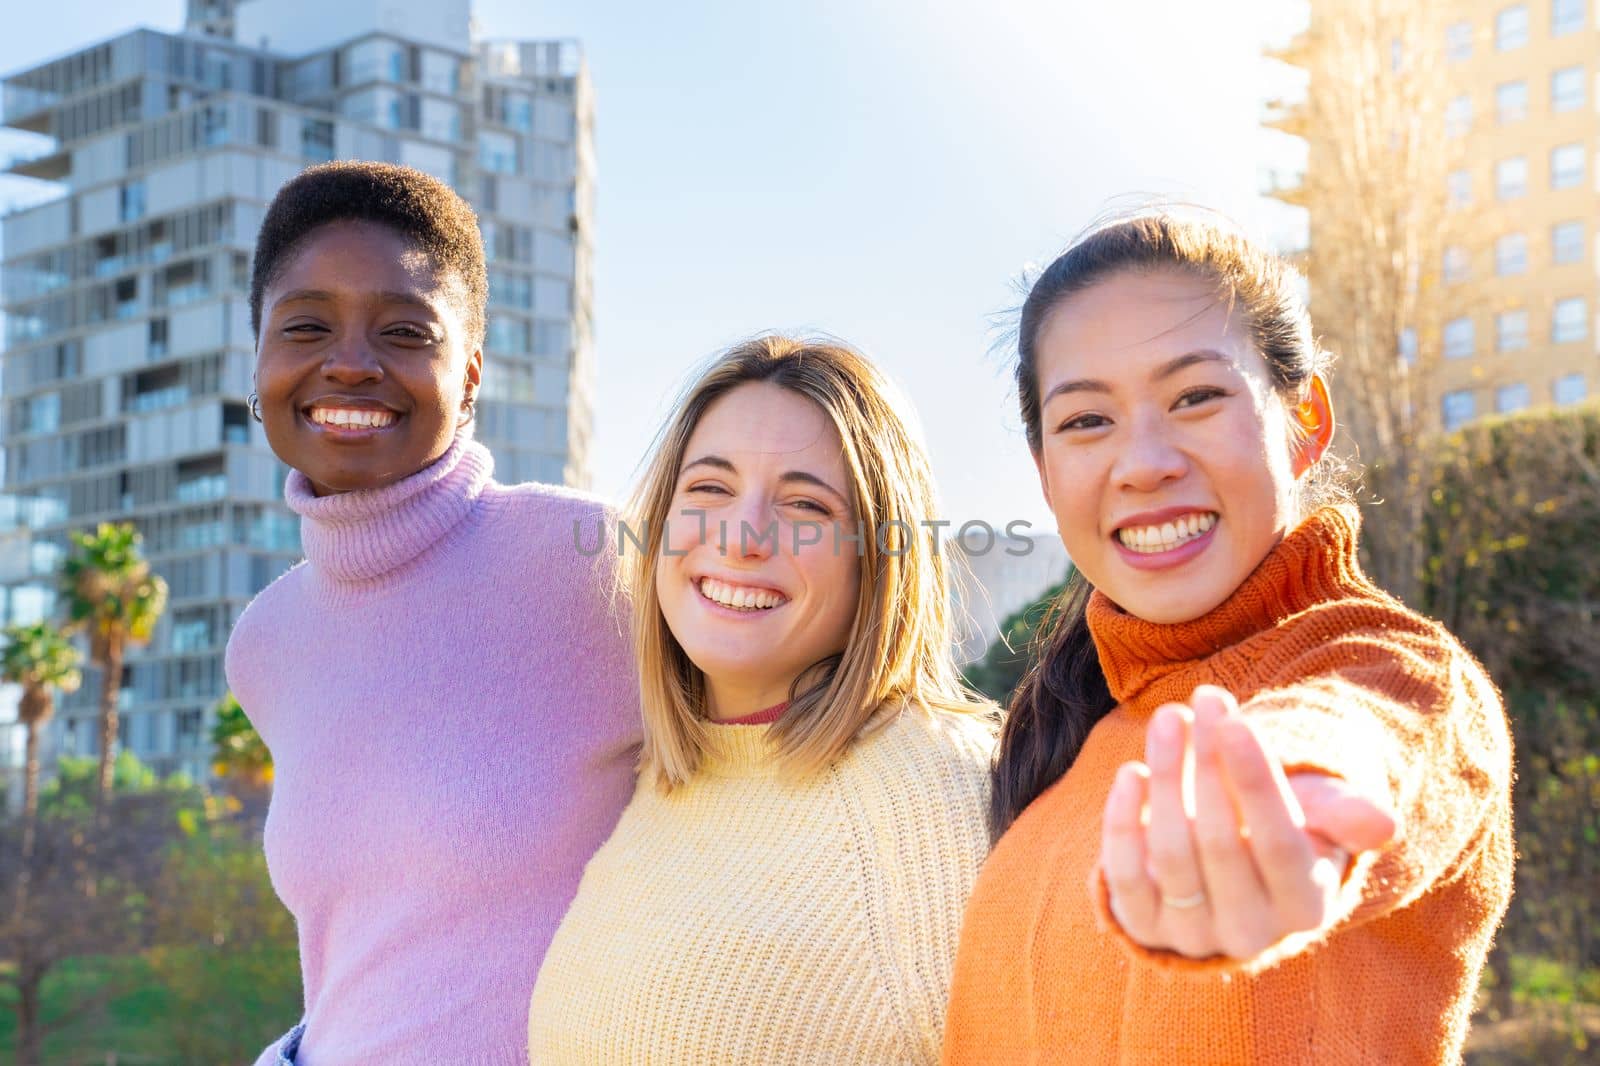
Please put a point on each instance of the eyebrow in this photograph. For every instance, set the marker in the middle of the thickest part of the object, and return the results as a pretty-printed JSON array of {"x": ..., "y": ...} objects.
[
  {"x": 717, "y": 462},
  {"x": 387, "y": 296},
  {"x": 1162, "y": 372}
]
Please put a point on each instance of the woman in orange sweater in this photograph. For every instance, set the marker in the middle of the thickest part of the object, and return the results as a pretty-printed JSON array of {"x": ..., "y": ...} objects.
[{"x": 1253, "y": 809}]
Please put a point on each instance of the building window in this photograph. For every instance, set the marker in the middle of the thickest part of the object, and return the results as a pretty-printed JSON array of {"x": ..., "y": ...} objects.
[
  {"x": 1570, "y": 322},
  {"x": 1513, "y": 397},
  {"x": 1457, "y": 264},
  {"x": 1458, "y": 40},
  {"x": 131, "y": 201},
  {"x": 1566, "y": 242},
  {"x": 1458, "y": 116},
  {"x": 1566, "y": 16},
  {"x": 1458, "y": 186},
  {"x": 1511, "y": 254},
  {"x": 316, "y": 140},
  {"x": 1566, "y": 89},
  {"x": 1459, "y": 408},
  {"x": 1511, "y": 27},
  {"x": 1569, "y": 388},
  {"x": 1510, "y": 331},
  {"x": 1408, "y": 344},
  {"x": 1458, "y": 338},
  {"x": 1511, "y": 101},
  {"x": 1511, "y": 178},
  {"x": 1566, "y": 166}
]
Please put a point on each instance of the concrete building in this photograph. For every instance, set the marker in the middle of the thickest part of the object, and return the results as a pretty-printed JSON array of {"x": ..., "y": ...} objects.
[
  {"x": 995, "y": 576},
  {"x": 128, "y": 346},
  {"x": 1522, "y": 289}
]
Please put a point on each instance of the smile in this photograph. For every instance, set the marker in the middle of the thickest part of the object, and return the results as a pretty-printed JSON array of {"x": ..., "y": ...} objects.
[
  {"x": 1151, "y": 540},
  {"x": 740, "y": 597},
  {"x": 351, "y": 417}
]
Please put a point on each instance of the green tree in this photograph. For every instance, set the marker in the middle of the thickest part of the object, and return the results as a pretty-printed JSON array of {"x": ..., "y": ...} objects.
[
  {"x": 1008, "y": 659},
  {"x": 39, "y": 658},
  {"x": 97, "y": 887},
  {"x": 112, "y": 595},
  {"x": 238, "y": 751}
]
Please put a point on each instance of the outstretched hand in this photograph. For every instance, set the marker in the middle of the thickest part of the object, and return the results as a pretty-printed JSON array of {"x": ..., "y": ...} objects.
[{"x": 1208, "y": 848}]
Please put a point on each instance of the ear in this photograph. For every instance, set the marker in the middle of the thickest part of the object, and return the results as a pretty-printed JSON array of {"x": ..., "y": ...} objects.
[
  {"x": 474, "y": 371},
  {"x": 1314, "y": 418},
  {"x": 1044, "y": 479}
]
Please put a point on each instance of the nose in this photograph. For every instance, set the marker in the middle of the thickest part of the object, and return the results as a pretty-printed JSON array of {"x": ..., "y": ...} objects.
[
  {"x": 351, "y": 362},
  {"x": 754, "y": 533},
  {"x": 1149, "y": 460}
]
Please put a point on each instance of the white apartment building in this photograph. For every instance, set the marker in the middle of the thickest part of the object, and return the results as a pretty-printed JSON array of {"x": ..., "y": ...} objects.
[
  {"x": 128, "y": 351},
  {"x": 993, "y": 576}
]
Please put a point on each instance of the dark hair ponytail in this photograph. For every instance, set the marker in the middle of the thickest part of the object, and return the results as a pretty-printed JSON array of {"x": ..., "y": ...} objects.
[
  {"x": 1065, "y": 693},
  {"x": 1060, "y": 699}
]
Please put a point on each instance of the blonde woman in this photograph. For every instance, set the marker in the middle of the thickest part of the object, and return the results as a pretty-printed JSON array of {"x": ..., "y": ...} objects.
[{"x": 787, "y": 883}]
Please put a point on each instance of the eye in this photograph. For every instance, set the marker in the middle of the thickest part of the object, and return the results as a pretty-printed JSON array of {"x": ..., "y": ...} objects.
[
  {"x": 1195, "y": 396},
  {"x": 1087, "y": 420},
  {"x": 708, "y": 486},
  {"x": 306, "y": 328},
  {"x": 812, "y": 506},
  {"x": 407, "y": 332}
]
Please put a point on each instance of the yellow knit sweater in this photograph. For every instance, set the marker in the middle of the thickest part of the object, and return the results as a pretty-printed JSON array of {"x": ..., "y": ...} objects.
[{"x": 746, "y": 918}]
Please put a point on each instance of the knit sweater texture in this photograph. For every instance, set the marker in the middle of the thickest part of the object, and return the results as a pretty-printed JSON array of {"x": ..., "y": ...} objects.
[
  {"x": 749, "y": 918},
  {"x": 452, "y": 712},
  {"x": 1338, "y": 678}
]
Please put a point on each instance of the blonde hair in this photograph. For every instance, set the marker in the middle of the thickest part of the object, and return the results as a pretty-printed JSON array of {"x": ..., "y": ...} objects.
[{"x": 898, "y": 652}]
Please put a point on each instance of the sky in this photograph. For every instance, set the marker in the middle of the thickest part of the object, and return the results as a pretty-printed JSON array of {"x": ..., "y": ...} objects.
[{"x": 883, "y": 171}]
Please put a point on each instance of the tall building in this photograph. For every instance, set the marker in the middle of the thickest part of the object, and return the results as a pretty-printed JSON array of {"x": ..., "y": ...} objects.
[
  {"x": 994, "y": 576},
  {"x": 1520, "y": 288},
  {"x": 128, "y": 346}
]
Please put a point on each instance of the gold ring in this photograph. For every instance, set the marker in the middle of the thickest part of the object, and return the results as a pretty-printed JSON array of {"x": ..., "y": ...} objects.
[{"x": 1185, "y": 903}]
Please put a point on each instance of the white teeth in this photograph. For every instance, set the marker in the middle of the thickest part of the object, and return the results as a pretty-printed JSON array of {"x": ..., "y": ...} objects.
[
  {"x": 1151, "y": 539},
  {"x": 351, "y": 416},
  {"x": 739, "y": 597}
]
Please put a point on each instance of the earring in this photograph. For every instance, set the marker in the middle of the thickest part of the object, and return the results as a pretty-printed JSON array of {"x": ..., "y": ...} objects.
[
  {"x": 253, "y": 401},
  {"x": 469, "y": 404}
]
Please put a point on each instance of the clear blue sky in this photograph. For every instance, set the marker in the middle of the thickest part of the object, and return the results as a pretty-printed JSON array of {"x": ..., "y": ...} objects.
[{"x": 881, "y": 170}]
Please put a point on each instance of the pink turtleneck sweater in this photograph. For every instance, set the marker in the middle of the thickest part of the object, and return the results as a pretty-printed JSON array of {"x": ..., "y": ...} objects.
[{"x": 453, "y": 716}]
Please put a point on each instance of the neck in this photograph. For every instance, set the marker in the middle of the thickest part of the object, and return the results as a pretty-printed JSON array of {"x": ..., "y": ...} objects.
[
  {"x": 364, "y": 534},
  {"x": 727, "y": 699}
]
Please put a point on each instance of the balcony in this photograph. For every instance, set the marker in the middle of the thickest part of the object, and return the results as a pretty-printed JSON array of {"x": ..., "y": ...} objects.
[
  {"x": 1285, "y": 186},
  {"x": 1296, "y": 51},
  {"x": 53, "y": 165},
  {"x": 1286, "y": 115},
  {"x": 26, "y": 108}
]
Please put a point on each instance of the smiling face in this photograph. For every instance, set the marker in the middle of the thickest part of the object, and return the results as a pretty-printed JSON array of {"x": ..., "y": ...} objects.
[
  {"x": 363, "y": 363},
  {"x": 751, "y": 580},
  {"x": 1166, "y": 454}
]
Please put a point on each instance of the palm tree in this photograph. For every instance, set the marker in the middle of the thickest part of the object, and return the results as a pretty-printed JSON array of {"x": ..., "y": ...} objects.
[
  {"x": 112, "y": 595},
  {"x": 239, "y": 752},
  {"x": 39, "y": 658}
]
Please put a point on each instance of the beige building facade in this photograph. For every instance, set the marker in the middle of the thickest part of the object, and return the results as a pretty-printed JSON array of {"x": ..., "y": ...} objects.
[{"x": 1519, "y": 276}]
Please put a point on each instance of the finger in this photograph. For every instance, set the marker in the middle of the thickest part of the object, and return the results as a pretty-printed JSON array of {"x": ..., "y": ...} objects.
[
  {"x": 1134, "y": 899},
  {"x": 1240, "y": 910},
  {"x": 1278, "y": 842},
  {"x": 1335, "y": 809},
  {"x": 1169, "y": 838}
]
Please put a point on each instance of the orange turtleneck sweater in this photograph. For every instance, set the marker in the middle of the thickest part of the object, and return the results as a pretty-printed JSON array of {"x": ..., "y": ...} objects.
[{"x": 1338, "y": 678}]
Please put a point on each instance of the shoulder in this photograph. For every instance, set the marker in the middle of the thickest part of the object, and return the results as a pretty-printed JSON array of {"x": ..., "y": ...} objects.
[
  {"x": 554, "y": 507},
  {"x": 275, "y": 615},
  {"x": 1376, "y": 636},
  {"x": 555, "y": 524},
  {"x": 939, "y": 760}
]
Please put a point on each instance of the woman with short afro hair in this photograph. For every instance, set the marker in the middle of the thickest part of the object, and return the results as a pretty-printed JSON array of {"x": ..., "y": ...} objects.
[{"x": 447, "y": 695}]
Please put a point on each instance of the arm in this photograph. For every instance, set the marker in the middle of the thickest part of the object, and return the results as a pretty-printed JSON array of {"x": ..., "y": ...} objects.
[{"x": 1248, "y": 874}]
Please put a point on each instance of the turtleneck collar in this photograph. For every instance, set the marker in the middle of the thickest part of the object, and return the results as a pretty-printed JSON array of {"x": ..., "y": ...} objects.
[
  {"x": 361, "y": 535},
  {"x": 1314, "y": 563}
]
